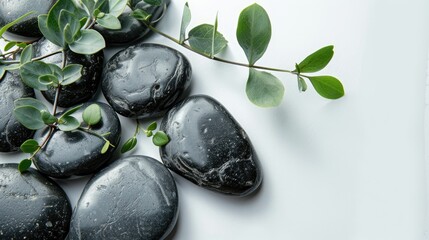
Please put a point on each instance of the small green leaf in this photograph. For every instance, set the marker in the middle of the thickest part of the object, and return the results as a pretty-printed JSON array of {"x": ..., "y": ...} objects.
[
  {"x": 9, "y": 46},
  {"x": 105, "y": 147},
  {"x": 21, "y": 45},
  {"x": 153, "y": 2},
  {"x": 27, "y": 54},
  {"x": 48, "y": 118},
  {"x": 141, "y": 14},
  {"x": 129, "y": 145},
  {"x": 29, "y": 146},
  {"x": 109, "y": 21},
  {"x": 149, "y": 133},
  {"x": 69, "y": 24},
  {"x": 327, "y": 86},
  {"x": 31, "y": 71},
  {"x": 49, "y": 32},
  {"x": 89, "y": 42},
  {"x": 263, "y": 89},
  {"x": 68, "y": 123},
  {"x": 317, "y": 60},
  {"x": 30, "y": 102},
  {"x": 152, "y": 126},
  {"x": 72, "y": 73},
  {"x": 302, "y": 85},
  {"x": 186, "y": 19},
  {"x": 12, "y": 67},
  {"x": 70, "y": 111},
  {"x": 48, "y": 80},
  {"x": 4, "y": 28},
  {"x": 29, "y": 116},
  {"x": 160, "y": 139},
  {"x": 254, "y": 32},
  {"x": 24, "y": 165},
  {"x": 116, "y": 7},
  {"x": 92, "y": 114},
  {"x": 201, "y": 40}
]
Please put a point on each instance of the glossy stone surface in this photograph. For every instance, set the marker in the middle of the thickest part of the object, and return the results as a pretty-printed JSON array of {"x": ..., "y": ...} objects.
[
  {"x": 145, "y": 80},
  {"x": 12, "y": 133},
  {"x": 132, "y": 198},
  {"x": 32, "y": 206},
  {"x": 81, "y": 90},
  {"x": 131, "y": 29},
  {"x": 209, "y": 148},
  {"x": 13, "y": 9},
  {"x": 78, "y": 152}
]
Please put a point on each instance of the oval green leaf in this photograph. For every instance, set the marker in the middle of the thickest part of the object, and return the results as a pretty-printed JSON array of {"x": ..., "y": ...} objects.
[
  {"x": 71, "y": 73},
  {"x": 88, "y": 43},
  {"x": 160, "y": 139},
  {"x": 109, "y": 21},
  {"x": 48, "y": 118},
  {"x": 4, "y": 28},
  {"x": 264, "y": 89},
  {"x": 316, "y": 61},
  {"x": 116, "y": 7},
  {"x": 27, "y": 54},
  {"x": 31, "y": 71},
  {"x": 92, "y": 114},
  {"x": 186, "y": 19},
  {"x": 71, "y": 111},
  {"x": 254, "y": 32},
  {"x": 201, "y": 39},
  {"x": 29, "y": 146},
  {"x": 327, "y": 86},
  {"x": 24, "y": 165},
  {"x": 129, "y": 145},
  {"x": 152, "y": 126},
  {"x": 29, "y": 116},
  {"x": 30, "y": 102},
  {"x": 105, "y": 147},
  {"x": 302, "y": 85},
  {"x": 9, "y": 46},
  {"x": 68, "y": 123}
]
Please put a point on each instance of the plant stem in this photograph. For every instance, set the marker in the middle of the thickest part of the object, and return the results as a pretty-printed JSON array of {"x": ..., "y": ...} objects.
[
  {"x": 34, "y": 59},
  {"x": 57, "y": 97},
  {"x": 45, "y": 141},
  {"x": 95, "y": 134}
]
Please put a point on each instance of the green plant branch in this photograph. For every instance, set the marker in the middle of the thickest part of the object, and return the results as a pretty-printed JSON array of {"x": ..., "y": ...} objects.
[
  {"x": 33, "y": 59},
  {"x": 95, "y": 134}
]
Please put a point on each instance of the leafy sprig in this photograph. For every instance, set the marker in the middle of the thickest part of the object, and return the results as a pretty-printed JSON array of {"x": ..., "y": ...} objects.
[{"x": 159, "y": 138}]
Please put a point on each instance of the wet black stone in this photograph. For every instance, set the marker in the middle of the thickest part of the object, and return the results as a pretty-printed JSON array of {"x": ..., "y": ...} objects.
[
  {"x": 13, "y": 9},
  {"x": 12, "y": 133},
  {"x": 131, "y": 29},
  {"x": 209, "y": 148},
  {"x": 32, "y": 206},
  {"x": 81, "y": 90},
  {"x": 145, "y": 80},
  {"x": 132, "y": 198},
  {"x": 78, "y": 152}
]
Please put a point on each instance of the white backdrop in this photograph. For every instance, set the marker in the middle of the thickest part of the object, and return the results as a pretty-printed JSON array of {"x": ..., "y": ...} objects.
[{"x": 350, "y": 169}]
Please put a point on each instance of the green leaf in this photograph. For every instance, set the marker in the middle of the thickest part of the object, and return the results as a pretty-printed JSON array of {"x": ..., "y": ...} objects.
[
  {"x": 105, "y": 147},
  {"x": 31, "y": 71},
  {"x": 24, "y": 165},
  {"x": 116, "y": 7},
  {"x": 129, "y": 145},
  {"x": 9, "y": 46},
  {"x": 302, "y": 85},
  {"x": 214, "y": 36},
  {"x": 48, "y": 118},
  {"x": 2, "y": 71},
  {"x": 48, "y": 79},
  {"x": 186, "y": 19},
  {"x": 263, "y": 89},
  {"x": 70, "y": 111},
  {"x": 68, "y": 123},
  {"x": 316, "y": 61},
  {"x": 327, "y": 86},
  {"x": 152, "y": 126},
  {"x": 71, "y": 74},
  {"x": 12, "y": 67},
  {"x": 89, "y": 42},
  {"x": 70, "y": 25},
  {"x": 29, "y": 116},
  {"x": 254, "y": 32},
  {"x": 30, "y": 102},
  {"x": 92, "y": 114},
  {"x": 201, "y": 40},
  {"x": 160, "y": 139},
  {"x": 141, "y": 14},
  {"x": 29, "y": 146},
  {"x": 4, "y": 28},
  {"x": 27, "y": 54},
  {"x": 153, "y": 2},
  {"x": 109, "y": 21},
  {"x": 48, "y": 30},
  {"x": 149, "y": 133}
]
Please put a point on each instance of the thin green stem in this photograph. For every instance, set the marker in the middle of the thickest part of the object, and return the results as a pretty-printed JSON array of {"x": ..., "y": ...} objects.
[
  {"x": 33, "y": 59},
  {"x": 96, "y": 134},
  {"x": 45, "y": 141},
  {"x": 57, "y": 97}
]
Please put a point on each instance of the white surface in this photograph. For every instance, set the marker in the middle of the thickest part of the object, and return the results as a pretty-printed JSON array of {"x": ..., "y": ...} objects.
[{"x": 350, "y": 169}]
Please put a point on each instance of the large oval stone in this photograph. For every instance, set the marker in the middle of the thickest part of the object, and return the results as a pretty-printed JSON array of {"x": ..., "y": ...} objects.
[
  {"x": 12, "y": 133},
  {"x": 132, "y": 198},
  {"x": 208, "y": 147},
  {"x": 32, "y": 206},
  {"x": 13, "y": 9},
  {"x": 145, "y": 80},
  {"x": 78, "y": 152},
  {"x": 81, "y": 90}
]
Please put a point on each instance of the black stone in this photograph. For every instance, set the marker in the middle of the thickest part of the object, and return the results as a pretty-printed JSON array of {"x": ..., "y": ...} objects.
[
  {"x": 81, "y": 90},
  {"x": 12, "y": 133},
  {"x": 13, "y": 9},
  {"x": 145, "y": 80},
  {"x": 132, "y": 198},
  {"x": 131, "y": 29},
  {"x": 78, "y": 152},
  {"x": 208, "y": 147},
  {"x": 32, "y": 206}
]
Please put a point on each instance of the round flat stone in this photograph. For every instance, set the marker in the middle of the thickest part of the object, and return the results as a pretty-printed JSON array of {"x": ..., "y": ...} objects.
[
  {"x": 13, "y": 9},
  {"x": 33, "y": 206},
  {"x": 12, "y": 133},
  {"x": 145, "y": 80},
  {"x": 132, "y": 198},
  {"x": 81, "y": 90},
  {"x": 208, "y": 147},
  {"x": 78, "y": 152}
]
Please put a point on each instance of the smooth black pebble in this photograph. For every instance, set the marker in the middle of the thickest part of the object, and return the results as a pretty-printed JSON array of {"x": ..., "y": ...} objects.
[
  {"x": 82, "y": 90},
  {"x": 32, "y": 206},
  {"x": 208, "y": 147},
  {"x": 145, "y": 80},
  {"x": 12, "y": 133},
  {"x": 131, "y": 28},
  {"x": 78, "y": 152},
  {"x": 133, "y": 198},
  {"x": 13, "y": 9}
]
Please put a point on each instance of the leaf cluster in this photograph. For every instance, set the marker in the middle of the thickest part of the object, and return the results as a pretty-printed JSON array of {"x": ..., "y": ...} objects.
[{"x": 159, "y": 138}]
